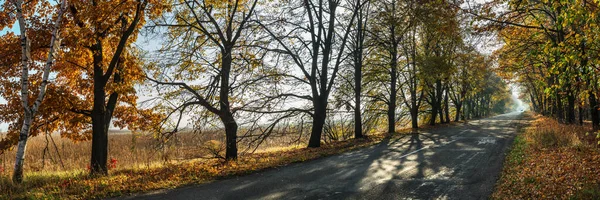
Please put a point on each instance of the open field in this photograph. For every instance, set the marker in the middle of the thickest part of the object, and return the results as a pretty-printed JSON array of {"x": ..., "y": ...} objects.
[
  {"x": 52, "y": 153},
  {"x": 140, "y": 166},
  {"x": 76, "y": 184},
  {"x": 127, "y": 150}
]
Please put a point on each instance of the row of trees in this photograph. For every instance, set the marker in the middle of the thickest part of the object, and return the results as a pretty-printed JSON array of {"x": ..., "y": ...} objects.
[
  {"x": 248, "y": 64},
  {"x": 552, "y": 50}
]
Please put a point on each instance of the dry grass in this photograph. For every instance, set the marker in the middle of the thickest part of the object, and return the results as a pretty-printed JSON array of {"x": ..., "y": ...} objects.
[
  {"x": 141, "y": 166},
  {"x": 77, "y": 185},
  {"x": 128, "y": 150},
  {"x": 52, "y": 153},
  {"x": 547, "y": 133},
  {"x": 551, "y": 161}
]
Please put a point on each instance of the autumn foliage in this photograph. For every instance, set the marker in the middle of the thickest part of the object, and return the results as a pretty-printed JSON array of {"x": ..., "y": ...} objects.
[{"x": 551, "y": 160}]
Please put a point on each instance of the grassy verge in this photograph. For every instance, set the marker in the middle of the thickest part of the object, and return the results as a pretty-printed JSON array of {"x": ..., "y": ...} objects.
[
  {"x": 77, "y": 185},
  {"x": 549, "y": 160}
]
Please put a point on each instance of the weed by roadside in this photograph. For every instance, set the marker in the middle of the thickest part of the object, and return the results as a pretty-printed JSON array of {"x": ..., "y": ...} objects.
[
  {"x": 549, "y": 160},
  {"x": 77, "y": 185}
]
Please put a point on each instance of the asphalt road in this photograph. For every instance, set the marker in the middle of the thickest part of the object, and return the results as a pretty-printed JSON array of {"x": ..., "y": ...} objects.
[{"x": 458, "y": 162}]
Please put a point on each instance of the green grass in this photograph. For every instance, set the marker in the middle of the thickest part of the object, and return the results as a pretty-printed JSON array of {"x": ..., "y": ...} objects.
[
  {"x": 590, "y": 192},
  {"x": 517, "y": 152}
]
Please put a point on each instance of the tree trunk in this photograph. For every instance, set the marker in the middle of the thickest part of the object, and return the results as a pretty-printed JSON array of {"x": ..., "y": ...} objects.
[
  {"x": 317, "y": 124},
  {"x": 458, "y": 111},
  {"x": 230, "y": 136},
  {"x": 464, "y": 112},
  {"x": 534, "y": 103},
  {"x": 469, "y": 110},
  {"x": 391, "y": 117},
  {"x": 559, "y": 108},
  {"x": 441, "y": 113},
  {"x": 99, "y": 140},
  {"x": 29, "y": 112},
  {"x": 570, "y": 108},
  {"x": 436, "y": 106},
  {"x": 580, "y": 112},
  {"x": 447, "y": 107},
  {"x": 102, "y": 111},
  {"x": 414, "y": 108},
  {"x": 393, "y": 91},
  {"x": 21, "y": 148},
  {"x": 358, "y": 56},
  {"x": 357, "y": 112},
  {"x": 414, "y": 118},
  {"x": 99, "y": 124},
  {"x": 434, "y": 111},
  {"x": 594, "y": 111},
  {"x": 224, "y": 105}
]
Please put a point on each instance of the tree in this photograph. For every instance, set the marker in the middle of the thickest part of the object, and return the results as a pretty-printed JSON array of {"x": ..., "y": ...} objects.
[
  {"x": 27, "y": 63},
  {"x": 360, "y": 33},
  {"x": 554, "y": 39},
  {"x": 414, "y": 96},
  {"x": 219, "y": 27},
  {"x": 315, "y": 45},
  {"x": 391, "y": 24},
  {"x": 440, "y": 37},
  {"x": 462, "y": 80},
  {"x": 99, "y": 70}
]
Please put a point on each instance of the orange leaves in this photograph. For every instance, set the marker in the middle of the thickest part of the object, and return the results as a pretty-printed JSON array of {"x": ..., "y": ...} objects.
[
  {"x": 69, "y": 96},
  {"x": 552, "y": 172}
]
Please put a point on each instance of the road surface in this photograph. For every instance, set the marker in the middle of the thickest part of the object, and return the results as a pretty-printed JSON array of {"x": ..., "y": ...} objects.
[{"x": 458, "y": 162}]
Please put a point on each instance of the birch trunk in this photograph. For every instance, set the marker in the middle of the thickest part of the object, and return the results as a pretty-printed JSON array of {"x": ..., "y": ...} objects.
[{"x": 29, "y": 112}]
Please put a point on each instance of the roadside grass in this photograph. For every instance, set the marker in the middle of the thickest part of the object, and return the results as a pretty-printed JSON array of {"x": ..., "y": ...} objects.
[
  {"x": 77, "y": 185},
  {"x": 549, "y": 160},
  {"x": 182, "y": 167}
]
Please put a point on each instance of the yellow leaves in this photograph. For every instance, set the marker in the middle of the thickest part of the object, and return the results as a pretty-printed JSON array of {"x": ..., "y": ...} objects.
[{"x": 553, "y": 172}]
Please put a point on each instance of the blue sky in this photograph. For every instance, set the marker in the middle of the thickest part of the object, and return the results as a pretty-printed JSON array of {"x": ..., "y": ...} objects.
[{"x": 15, "y": 29}]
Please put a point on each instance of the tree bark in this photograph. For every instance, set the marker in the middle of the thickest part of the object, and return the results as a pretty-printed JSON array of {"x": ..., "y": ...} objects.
[
  {"x": 225, "y": 107},
  {"x": 318, "y": 123},
  {"x": 436, "y": 103},
  {"x": 434, "y": 111},
  {"x": 99, "y": 140},
  {"x": 414, "y": 118},
  {"x": 21, "y": 148},
  {"x": 458, "y": 107},
  {"x": 580, "y": 113},
  {"x": 99, "y": 124},
  {"x": 446, "y": 107},
  {"x": 102, "y": 111},
  {"x": 358, "y": 62},
  {"x": 358, "y": 132},
  {"x": 570, "y": 108},
  {"x": 558, "y": 107},
  {"x": 230, "y": 136},
  {"x": 393, "y": 90},
  {"x": 29, "y": 112},
  {"x": 594, "y": 111}
]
